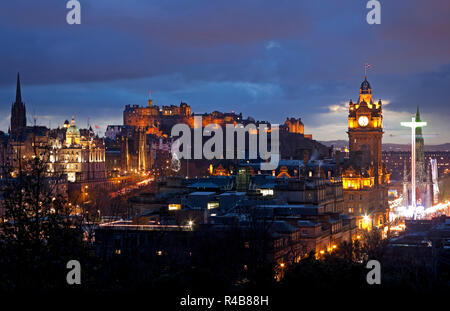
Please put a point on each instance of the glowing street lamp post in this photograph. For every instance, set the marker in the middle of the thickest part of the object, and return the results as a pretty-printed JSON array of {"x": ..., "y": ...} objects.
[{"x": 413, "y": 125}]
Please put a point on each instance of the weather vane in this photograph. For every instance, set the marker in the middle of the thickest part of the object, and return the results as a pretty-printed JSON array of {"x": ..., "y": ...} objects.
[{"x": 366, "y": 67}]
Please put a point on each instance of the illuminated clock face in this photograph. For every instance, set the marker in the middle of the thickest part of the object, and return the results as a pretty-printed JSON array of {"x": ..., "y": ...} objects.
[{"x": 363, "y": 121}]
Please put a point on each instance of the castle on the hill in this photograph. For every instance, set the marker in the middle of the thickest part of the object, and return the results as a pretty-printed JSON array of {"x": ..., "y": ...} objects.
[{"x": 145, "y": 134}]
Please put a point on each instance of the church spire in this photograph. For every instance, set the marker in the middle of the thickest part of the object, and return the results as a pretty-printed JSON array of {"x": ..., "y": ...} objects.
[
  {"x": 18, "y": 92},
  {"x": 418, "y": 129},
  {"x": 18, "y": 111}
]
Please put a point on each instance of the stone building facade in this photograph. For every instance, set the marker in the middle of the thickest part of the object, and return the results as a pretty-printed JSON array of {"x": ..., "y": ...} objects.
[{"x": 365, "y": 178}]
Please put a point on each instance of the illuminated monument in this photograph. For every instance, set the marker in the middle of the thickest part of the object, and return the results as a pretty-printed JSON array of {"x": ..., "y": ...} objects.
[
  {"x": 420, "y": 175},
  {"x": 364, "y": 177}
]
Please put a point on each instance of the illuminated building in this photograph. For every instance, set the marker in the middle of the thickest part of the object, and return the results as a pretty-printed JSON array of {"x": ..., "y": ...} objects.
[
  {"x": 143, "y": 137},
  {"x": 138, "y": 151},
  {"x": 66, "y": 151},
  {"x": 71, "y": 154},
  {"x": 152, "y": 118},
  {"x": 79, "y": 157},
  {"x": 295, "y": 125},
  {"x": 364, "y": 177}
]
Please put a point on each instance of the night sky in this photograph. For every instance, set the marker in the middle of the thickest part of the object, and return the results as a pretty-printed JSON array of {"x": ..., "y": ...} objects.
[{"x": 266, "y": 59}]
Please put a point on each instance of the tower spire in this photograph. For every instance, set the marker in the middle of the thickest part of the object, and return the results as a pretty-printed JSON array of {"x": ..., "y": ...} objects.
[
  {"x": 419, "y": 129},
  {"x": 18, "y": 92},
  {"x": 18, "y": 112},
  {"x": 417, "y": 114}
]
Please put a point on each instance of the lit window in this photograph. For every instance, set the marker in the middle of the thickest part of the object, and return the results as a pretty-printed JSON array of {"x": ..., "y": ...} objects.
[
  {"x": 174, "y": 207},
  {"x": 265, "y": 192},
  {"x": 212, "y": 205}
]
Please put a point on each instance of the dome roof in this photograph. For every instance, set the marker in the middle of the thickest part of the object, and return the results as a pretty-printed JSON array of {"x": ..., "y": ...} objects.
[
  {"x": 365, "y": 85},
  {"x": 73, "y": 129}
]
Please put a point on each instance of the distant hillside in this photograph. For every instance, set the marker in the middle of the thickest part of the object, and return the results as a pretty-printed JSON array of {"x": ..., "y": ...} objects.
[
  {"x": 402, "y": 147},
  {"x": 389, "y": 147},
  {"x": 341, "y": 144}
]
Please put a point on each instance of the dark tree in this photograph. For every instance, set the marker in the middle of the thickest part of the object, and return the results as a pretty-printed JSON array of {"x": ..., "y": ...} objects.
[{"x": 37, "y": 235}]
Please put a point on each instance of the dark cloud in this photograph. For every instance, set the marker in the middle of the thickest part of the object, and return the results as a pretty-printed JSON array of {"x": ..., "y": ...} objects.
[{"x": 269, "y": 59}]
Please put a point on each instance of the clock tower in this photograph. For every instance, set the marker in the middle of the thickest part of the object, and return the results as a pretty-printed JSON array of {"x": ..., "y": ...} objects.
[
  {"x": 365, "y": 180},
  {"x": 365, "y": 129}
]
